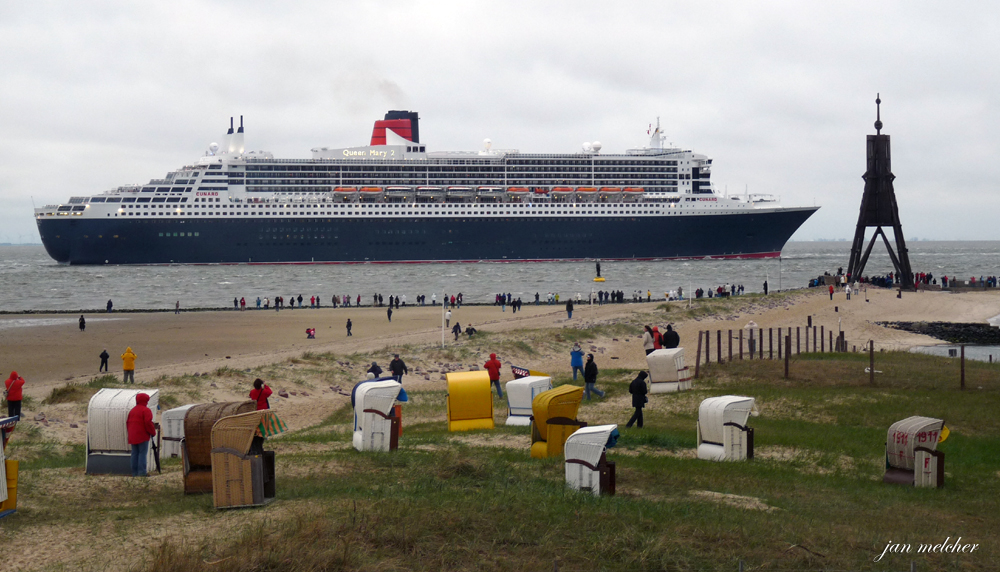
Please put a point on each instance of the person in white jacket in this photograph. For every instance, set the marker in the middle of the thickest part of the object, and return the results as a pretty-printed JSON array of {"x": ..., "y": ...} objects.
[{"x": 647, "y": 340}]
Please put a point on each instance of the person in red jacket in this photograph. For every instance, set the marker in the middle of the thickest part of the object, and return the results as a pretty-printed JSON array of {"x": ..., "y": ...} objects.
[
  {"x": 140, "y": 430},
  {"x": 493, "y": 367},
  {"x": 260, "y": 393},
  {"x": 12, "y": 389}
]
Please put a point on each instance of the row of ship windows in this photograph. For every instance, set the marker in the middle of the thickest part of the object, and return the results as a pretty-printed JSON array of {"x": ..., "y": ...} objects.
[
  {"x": 450, "y": 164},
  {"x": 361, "y": 182},
  {"x": 424, "y": 170}
]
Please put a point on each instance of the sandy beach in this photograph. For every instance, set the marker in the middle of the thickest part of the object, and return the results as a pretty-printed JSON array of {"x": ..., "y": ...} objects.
[{"x": 55, "y": 351}]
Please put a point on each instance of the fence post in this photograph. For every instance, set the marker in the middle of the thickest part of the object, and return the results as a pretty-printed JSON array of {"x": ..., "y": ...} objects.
[
  {"x": 871, "y": 362},
  {"x": 750, "y": 345},
  {"x": 708, "y": 347},
  {"x": 963, "y": 367},
  {"x": 814, "y": 340},
  {"x": 741, "y": 344},
  {"x": 697, "y": 357},
  {"x": 770, "y": 343},
  {"x": 822, "y": 339},
  {"x": 760, "y": 333},
  {"x": 798, "y": 341},
  {"x": 730, "y": 346},
  {"x": 718, "y": 346},
  {"x": 781, "y": 343},
  {"x": 788, "y": 350}
]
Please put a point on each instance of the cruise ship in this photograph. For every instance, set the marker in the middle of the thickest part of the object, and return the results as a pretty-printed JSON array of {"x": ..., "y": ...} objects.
[{"x": 394, "y": 201}]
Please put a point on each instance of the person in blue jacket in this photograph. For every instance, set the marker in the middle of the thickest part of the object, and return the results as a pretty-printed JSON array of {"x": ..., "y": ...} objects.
[{"x": 576, "y": 360}]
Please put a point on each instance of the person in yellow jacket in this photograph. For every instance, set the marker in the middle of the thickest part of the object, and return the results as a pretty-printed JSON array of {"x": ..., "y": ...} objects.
[{"x": 128, "y": 364}]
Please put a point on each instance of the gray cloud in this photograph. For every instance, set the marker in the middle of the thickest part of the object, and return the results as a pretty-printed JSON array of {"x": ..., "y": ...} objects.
[{"x": 780, "y": 94}]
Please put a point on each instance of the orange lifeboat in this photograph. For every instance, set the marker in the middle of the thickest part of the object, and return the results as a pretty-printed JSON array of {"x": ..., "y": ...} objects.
[
  {"x": 586, "y": 189},
  {"x": 611, "y": 189},
  {"x": 345, "y": 190},
  {"x": 371, "y": 189},
  {"x": 517, "y": 189},
  {"x": 634, "y": 190},
  {"x": 562, "y": 189}
]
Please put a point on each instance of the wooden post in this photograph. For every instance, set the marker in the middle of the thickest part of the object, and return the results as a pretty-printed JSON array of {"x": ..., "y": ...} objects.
[
  {"x": 831, "y": 342},
  {"x": 708, "y": 347},
  {"x": 718, "y": 346},
  {"x": 822, "y": 339},
  {"x": 798, "y": 341},
  {"x": 814, "y": 340},
  {"x": 760, "y": 334},
  {"x": 963, "y": 367},
  {"x": 741, "y": 344},
  {"x": 788, "y": 350},
  {"x": 871, "y": 362},
  {"x": 780, "y": 343},
  {"x": 730, "y": 346},
  {"x": 697, "y": 357},
  {"x": 807, "y": 338},
  {"x": 770, "y": 343},
  {"x": 750, "y": 345}
]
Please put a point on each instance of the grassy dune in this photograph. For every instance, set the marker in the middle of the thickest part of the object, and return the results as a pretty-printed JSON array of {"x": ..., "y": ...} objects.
[{"x": 812, "y": 499}]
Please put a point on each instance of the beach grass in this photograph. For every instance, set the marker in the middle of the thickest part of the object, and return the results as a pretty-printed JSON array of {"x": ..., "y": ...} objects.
[{"x": 811, "y": 499}]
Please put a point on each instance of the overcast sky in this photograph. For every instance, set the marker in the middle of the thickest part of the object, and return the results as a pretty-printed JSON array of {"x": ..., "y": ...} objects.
[{"x": 780, "y": 94}]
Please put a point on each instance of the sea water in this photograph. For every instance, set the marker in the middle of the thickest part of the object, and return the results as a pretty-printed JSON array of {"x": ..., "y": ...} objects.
[{"x": 33, "y": 281}]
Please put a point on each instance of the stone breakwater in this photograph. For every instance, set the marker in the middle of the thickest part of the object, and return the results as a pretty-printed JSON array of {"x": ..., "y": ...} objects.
[{"x": 952, "y": 332}]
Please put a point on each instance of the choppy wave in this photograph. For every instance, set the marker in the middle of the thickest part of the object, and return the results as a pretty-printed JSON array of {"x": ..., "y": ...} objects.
[{"x": 33, "y": 281}]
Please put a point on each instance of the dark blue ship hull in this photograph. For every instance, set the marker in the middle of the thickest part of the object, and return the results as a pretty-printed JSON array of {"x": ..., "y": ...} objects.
[{"x": 191, "y": 240}]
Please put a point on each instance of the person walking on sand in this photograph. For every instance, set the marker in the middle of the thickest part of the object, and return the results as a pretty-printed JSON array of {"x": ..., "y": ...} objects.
[
  {"x": 576, "y": 360},
  {"x": 456, "y": 329},
  {"x": 12, "y": 390},
  {"x": 104, "y": 361},
  {"x": 140, "y": 430},
  {"x": 447, "y": 318},
  {"x": 110, "y": 306},
  {"x": 128, "y": 365},
  {"x": 375, "y": 370},
  {"x": 569, "y": 309},
  {"x": 590, "y": 378},
  {"x": 389, "y": 313},
  {"x": 831, "y": 291},
  {"x": 177, "y": 307},
  {"x": 638, "y": 390},
  {"x": 260, "y": 393},
  {"x": 492, "y": 366},
  {"x": 647, "y": 343},
  {"x": 83, "y": 324},
  {"x": 349, "y": 327},
  {"x": 397, "y": 367}
]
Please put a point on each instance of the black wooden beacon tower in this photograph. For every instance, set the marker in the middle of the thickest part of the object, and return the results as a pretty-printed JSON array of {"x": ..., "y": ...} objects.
[{"x": 878, "y": 209}]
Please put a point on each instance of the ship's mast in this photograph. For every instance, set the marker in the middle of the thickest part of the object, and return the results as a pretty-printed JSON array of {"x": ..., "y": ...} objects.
[{"x": 656, "y": 137}]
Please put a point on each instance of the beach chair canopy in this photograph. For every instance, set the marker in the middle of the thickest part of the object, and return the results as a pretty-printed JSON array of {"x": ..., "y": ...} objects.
[
  {"x": 470, "y": 401},
  {"x": 715, "y": 412},
  {"x": 240, "y": 478},
  {"x": 554, "y": 420},
  {"x": 172, "y": 430},
  {"x": 665, "y": 364},
  {"x": 586, "y": 467},
  {"x": 521, "y": 393},
  {"x": 906, "y": 435},
  {"x": 563, "y": 401},
  {"x": 375, "y": 424},
  {"x": 198, "y": 423},
  {"x": 106, "y": 415},
  {"x": 379, "y": 395}
]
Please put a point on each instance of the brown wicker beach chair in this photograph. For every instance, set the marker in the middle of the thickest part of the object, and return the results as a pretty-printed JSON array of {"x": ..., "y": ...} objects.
[
  {"x": 240, "y": 476},
  {"x": 196, "y": 449}
]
